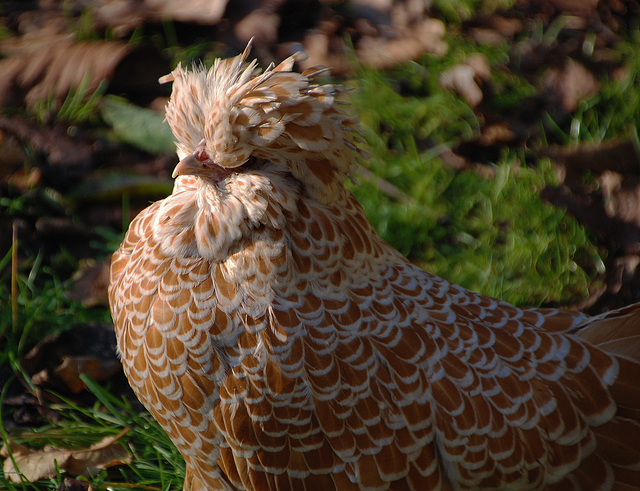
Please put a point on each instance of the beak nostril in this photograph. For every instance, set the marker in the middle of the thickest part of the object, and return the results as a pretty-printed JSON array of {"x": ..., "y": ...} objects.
[{"x": 201, "y": 154}]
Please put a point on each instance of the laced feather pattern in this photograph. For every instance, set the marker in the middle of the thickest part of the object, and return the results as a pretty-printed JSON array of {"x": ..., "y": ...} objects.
[{"x": 283, "y": 345}]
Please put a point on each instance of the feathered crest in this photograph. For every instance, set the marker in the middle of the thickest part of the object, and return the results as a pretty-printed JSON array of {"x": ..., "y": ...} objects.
[{"x": 278, "y": 115}]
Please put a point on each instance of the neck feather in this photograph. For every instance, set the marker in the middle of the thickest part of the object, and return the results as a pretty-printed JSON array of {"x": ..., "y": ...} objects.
[{"x": 207, "y": 218}]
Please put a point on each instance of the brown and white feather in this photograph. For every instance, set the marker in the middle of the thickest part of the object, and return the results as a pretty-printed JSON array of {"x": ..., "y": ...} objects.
[{"x": 283, "y": 345}]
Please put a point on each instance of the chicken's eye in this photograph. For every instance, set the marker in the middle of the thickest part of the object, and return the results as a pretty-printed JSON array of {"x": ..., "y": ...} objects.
[{"x": 201, "y": 154}]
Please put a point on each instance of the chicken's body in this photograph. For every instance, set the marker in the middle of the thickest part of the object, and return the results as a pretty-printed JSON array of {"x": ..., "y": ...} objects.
[{"x": 283, "y": 345}]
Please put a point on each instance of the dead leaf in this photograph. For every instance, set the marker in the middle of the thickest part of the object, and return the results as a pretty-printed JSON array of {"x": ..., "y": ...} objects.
[
  {"x": 498, "y": 133},
  {"x": 572, "y": 83},
  {"x": 199, "y": 11},
  {"x": 576, "y": 160},
  {"x": 382, "y": 54},
  {"x": 74, "y": 154},
  {"x": 90, "y": 283},
  {"x": 105, "y": 453},
  {"x": 380, "y": 43},
  {"x": 121, "y": 17},
  {"x": 621, "y": 197},
  {"x": 70, "y": 484},
  {"x": 261, "y": 25},
  {"x": 614, "y": 216},
  {"x": 52, "y": 65},
  {"x": 35, "y": 465},
  {"x": 38, "y": 67},
  {"x": 493, "y": 29},
  {"x": 59, "y": 360},
  {"x": 73, "y": 366},
  {"x": 466, "y": 79}
]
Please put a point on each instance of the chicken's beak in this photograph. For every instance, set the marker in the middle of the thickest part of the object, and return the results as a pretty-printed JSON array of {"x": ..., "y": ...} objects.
[{"x": 188, "y": 166}]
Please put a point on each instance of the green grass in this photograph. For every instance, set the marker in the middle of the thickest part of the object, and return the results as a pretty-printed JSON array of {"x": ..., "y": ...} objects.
[
  {"x": 615, "y": 110},
  {"x": 461, "y": 225},
  {"x": 156, "y": 463}
]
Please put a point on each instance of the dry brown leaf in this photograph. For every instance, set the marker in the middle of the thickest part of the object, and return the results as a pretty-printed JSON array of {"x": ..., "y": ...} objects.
[
  {"x": 615, "y": 155},
  {"x": 35, "y": 465},
  {"x": 495, "y": 29},
  {"x": 466, "y": 79},
  {"x": 261, "y": 25},
  {"x": 495, "y": 134},
  {"x": 425, "y": 37},
  {"x": 90, "y": 283},
  {"x": 36, "y": 68},
  {"x": 572, "y": 83},
  {"x": 58, "y": 360},
  {"x": 612, "y": 208},
  {"x": 621, "y": 197},
  {"x": 40, "y": 66},
  {"x": 380, "y": 47},
  {"x": 105, "y": 453},
  {"x": 123, "y": 16},
  {"x": 199, "y": 11},
  {"x": 73, "y": 366}
]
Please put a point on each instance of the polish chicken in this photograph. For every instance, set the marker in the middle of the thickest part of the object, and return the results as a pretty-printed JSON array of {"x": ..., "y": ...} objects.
[{"x": 283, "y": 345}]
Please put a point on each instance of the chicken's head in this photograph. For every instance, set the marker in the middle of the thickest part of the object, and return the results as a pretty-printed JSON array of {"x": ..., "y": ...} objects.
[{"x": 227, "y": 115}]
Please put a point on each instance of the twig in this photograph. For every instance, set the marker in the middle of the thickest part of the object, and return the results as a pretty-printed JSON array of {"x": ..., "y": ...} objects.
[
  {"x": 14, "y": 278},
  {"x": 385, "y": 186}
]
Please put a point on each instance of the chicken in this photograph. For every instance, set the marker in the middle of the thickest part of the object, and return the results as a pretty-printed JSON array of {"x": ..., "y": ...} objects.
[{"x": 283, "y": 345}]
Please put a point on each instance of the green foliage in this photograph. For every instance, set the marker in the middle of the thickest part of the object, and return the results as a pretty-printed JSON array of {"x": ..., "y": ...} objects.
[
  {"x": 459, "y": 10},
  {"x": 458, "y": 224},
  {"x": 156, "y": 463},
  {"x": 43, "y": 308},
  {"x": 81, "y": 104},
  {"x": 143, "y": 128},
  {"x": 615, "y": 109},
  {"x": 499, "y": 238}
]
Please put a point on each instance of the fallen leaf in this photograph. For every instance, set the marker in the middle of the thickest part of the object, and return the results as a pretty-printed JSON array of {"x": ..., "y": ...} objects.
[
  {"x": 42, "y": 68},
  {"x": 379, "y": 44},
  {"x": 493, "y": 29},
  {"x": 73, "y": 154},
  {"x": 52, "y": 65},
  {"x": 35, "y": 465},
  {"x": 382, "y": 54},
  {"x": 576, "y": 160},
  {"x": 73, "y": 366},
  {"x": 466, "y": 79},
  {"x": 105, "y": 453},
  {"x": 261, "y": 25},
  {"x": 200, "y": 11},
  {"x": 90, "y": 283},
  {"x": 74, "y": 485},
  {"x": 58, "y": 360},
  {"x": 571, "y": 83}
]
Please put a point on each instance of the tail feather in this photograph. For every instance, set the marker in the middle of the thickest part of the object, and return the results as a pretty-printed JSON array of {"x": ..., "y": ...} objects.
[
  {"x": 626, "y": 389},
  {"x": 618, "y": 333},
  {"x": 626, "y": 480},
  {"x": 618, "y": 442}
]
